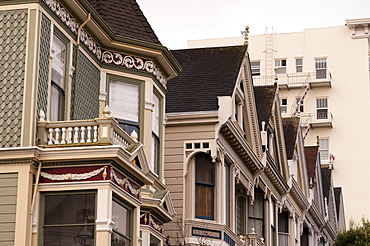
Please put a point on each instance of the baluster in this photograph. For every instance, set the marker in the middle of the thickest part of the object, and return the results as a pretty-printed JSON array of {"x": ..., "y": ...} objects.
[
  {"x": 75, "y": 135},
  {"x": 95, "y": 134},
  {"x": 63, "y": 136},
  {"x": 69, "y": 135},
  {"x": 50, "y": 136},
  {"x": 57, "y": 130},
  {"x": 82, "y": 140},
  {"x": 88, "y": 139}
]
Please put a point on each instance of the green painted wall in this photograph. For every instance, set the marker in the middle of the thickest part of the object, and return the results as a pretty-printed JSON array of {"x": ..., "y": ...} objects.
[
  {"x": 8, "y": 201},
  {"x": 13, "y": 33},
  {"x": 85, "y": 89},
  {"x": 42, "y": 96}
]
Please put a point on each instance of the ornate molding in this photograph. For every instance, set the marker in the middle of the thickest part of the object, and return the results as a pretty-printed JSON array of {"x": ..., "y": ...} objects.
[
  {"x": 147, "y": 219},
  {"x": 73, "y": 176},
  {"x": 105, "y": 56}
]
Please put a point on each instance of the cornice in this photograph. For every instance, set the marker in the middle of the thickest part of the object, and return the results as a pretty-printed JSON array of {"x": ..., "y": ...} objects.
[
  {"x": 298, "y": 196},
  {"x": 151, "y": 58},
  {"x": 192, "y": 118}
]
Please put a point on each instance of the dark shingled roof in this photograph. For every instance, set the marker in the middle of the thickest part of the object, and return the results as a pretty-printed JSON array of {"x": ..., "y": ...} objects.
[
  {"x": 326, "y": 181},
  {"x": 290, "y": 126},
  {"x": 126, "y": 19},
  {"x": 207, "y": 73},
  {"x": 311, "y": 159},
  {"x": 264, "y": 96}
]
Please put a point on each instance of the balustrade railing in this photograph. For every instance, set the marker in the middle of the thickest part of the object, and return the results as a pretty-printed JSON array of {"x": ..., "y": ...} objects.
[
  {"x": 252, "y": 239},
  {"x": 99, "y": 131}
]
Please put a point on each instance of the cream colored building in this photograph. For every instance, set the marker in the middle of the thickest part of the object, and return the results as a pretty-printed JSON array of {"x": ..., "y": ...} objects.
[{"x": 328, "y": 68}]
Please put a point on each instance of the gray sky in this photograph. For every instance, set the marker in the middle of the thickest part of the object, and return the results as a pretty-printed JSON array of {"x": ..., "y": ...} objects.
[{"x": 176, "y": 21}]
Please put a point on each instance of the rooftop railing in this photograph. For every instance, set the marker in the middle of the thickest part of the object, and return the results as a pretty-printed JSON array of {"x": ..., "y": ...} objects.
[{"x": 295, "y": 79}]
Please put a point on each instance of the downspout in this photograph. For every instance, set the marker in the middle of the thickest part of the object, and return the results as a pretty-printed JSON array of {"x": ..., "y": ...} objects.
[{"x": 76, "y": 59}]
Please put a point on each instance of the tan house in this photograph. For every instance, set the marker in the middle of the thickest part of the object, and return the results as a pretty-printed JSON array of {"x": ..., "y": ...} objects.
[
  {"x": 72, "y": 170},
  {"x": 226, "y": 158}
]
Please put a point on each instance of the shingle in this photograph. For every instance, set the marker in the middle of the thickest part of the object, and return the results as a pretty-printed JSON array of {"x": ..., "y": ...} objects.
[
  {"x": 207, "y": 73},
  {"x": 126, "y": 19},
  {"x": 310, "y": 153},
  {"x": 264, "y": 96},
  {"x": 290, "y": 126}
]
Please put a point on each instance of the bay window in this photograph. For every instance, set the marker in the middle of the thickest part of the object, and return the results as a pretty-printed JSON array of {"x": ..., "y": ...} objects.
[
  {"x": 124, "y": 101},
  {"x": 256, "y": 214},
  {"x": 68, "y": 218},
  {"x": 58, "y": 79},
  {"x": 204, "y": 186},
  {"x": 122, "y": 228},
  {"x": 156, "y": 119}
]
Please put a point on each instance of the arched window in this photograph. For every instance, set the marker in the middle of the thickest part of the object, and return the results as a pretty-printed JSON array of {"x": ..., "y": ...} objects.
[{"x": 204, "y": 186}]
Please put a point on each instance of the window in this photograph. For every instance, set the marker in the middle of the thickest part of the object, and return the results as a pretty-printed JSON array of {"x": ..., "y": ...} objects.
[
  {"x": 256, "y": 214},
  {"x": 283, "y": 105},
  {"x": 69, "y": 219},
  {"x": 299, "y": 104},
  {"x": 324, "y": 149},
  {"x": 58, "y": 84},
  {"x": 273, "y": 221},
  {"x": 240, "y": 215},
  {"x": 155, "y": 133},
  {"x": 122, "y": 228},
  {"x": 280, "y": 66},
  {"x": 204, "y": 186},
  {"x": 320, "y": 65},
  {"x": 322, "y": 108},
  {"x": 283, "y": 219},
  {"x": 255, "y": 68},
  {"x": 298, "y": 65},
  {"x": 228, "y": 195},
  {"x": 124, "y": 104}
]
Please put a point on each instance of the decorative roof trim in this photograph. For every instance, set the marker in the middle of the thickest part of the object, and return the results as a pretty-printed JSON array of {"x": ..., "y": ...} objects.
[{"x": 106, "y": 56}]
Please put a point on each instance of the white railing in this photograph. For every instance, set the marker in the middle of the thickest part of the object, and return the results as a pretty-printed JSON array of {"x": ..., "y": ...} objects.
[
  {"x": 293, "y": 78},
  {"x": 84, "y": 132},
  {"x": 316, "y": 119}
]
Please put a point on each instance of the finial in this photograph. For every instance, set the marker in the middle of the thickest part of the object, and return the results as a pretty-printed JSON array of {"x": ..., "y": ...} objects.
[
  {"x": 42, "y": 115},
  {"x": 106, "y": 112},
  {"x": 246, "y": 35},
  {"x": 263, "y": 125},
  {"x": 134, "y": 135}
]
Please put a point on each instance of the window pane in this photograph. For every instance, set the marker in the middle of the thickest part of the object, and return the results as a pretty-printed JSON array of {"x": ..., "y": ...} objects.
[
  {"x": 283, "y": 222},
  {"x": 69, "y": 209},
  {"x": 155, "y": 115},
  {"x": 204, "y": 201},
  {"x": 205, "y": 169},
  {"x": 68, "y": 235},
  {"x": 121, "y": 217},
  {"x": 124, "y": 100},
  {"x": 58, "y": 62}
]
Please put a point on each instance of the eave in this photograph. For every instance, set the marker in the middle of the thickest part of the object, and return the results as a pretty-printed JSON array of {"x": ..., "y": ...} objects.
[
  {"x": 108, "y": 39},
  {"x": 275, "y": 176},
  {"x": 153, "y": 206},
  {"x": 298, "y": 196},
  {"x": 236, "y": 139},
  {"x": 314, "y": 212}
]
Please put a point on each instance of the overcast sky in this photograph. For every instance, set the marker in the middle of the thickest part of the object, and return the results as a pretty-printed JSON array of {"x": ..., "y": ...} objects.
[{"x": 176, "y": 21}]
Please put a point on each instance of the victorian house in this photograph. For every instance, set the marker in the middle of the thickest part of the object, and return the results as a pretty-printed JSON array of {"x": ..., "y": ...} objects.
[
  {"x": 236, "y": 170},
  {"x": 83, "y": 87}
]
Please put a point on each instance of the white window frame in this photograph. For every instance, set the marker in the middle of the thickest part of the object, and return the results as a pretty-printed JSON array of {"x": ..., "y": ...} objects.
[
  {"x": 156, "y": 132},
  {"x": 322, "y": 108},
  {"x": 256, "y": 68},
  {"x": 321, "y": 68},
  {"x": 280, "y": 66},
  {"x": 284, "y": 107},
  {"x": 298, "y": 65},
  {"x": 324, "y": 149},
  {"x": 300, "y": 106}
]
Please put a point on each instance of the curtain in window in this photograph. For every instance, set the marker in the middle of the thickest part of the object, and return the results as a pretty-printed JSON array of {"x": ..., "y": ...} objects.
[{"x": 124, "y": 100}]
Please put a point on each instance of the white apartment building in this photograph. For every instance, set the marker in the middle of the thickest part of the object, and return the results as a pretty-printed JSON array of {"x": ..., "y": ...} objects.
[{"x": 323, "y": 76}]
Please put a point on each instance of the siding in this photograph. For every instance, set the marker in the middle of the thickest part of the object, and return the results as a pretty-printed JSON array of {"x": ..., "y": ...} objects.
[
  {"x": 42, "y": 95},
  {"x": 13, "y": 33},
  {"x": 8, "y": 200},
  {"x": 85, "y": 89},
  {"x": 174, "y": 162}
]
